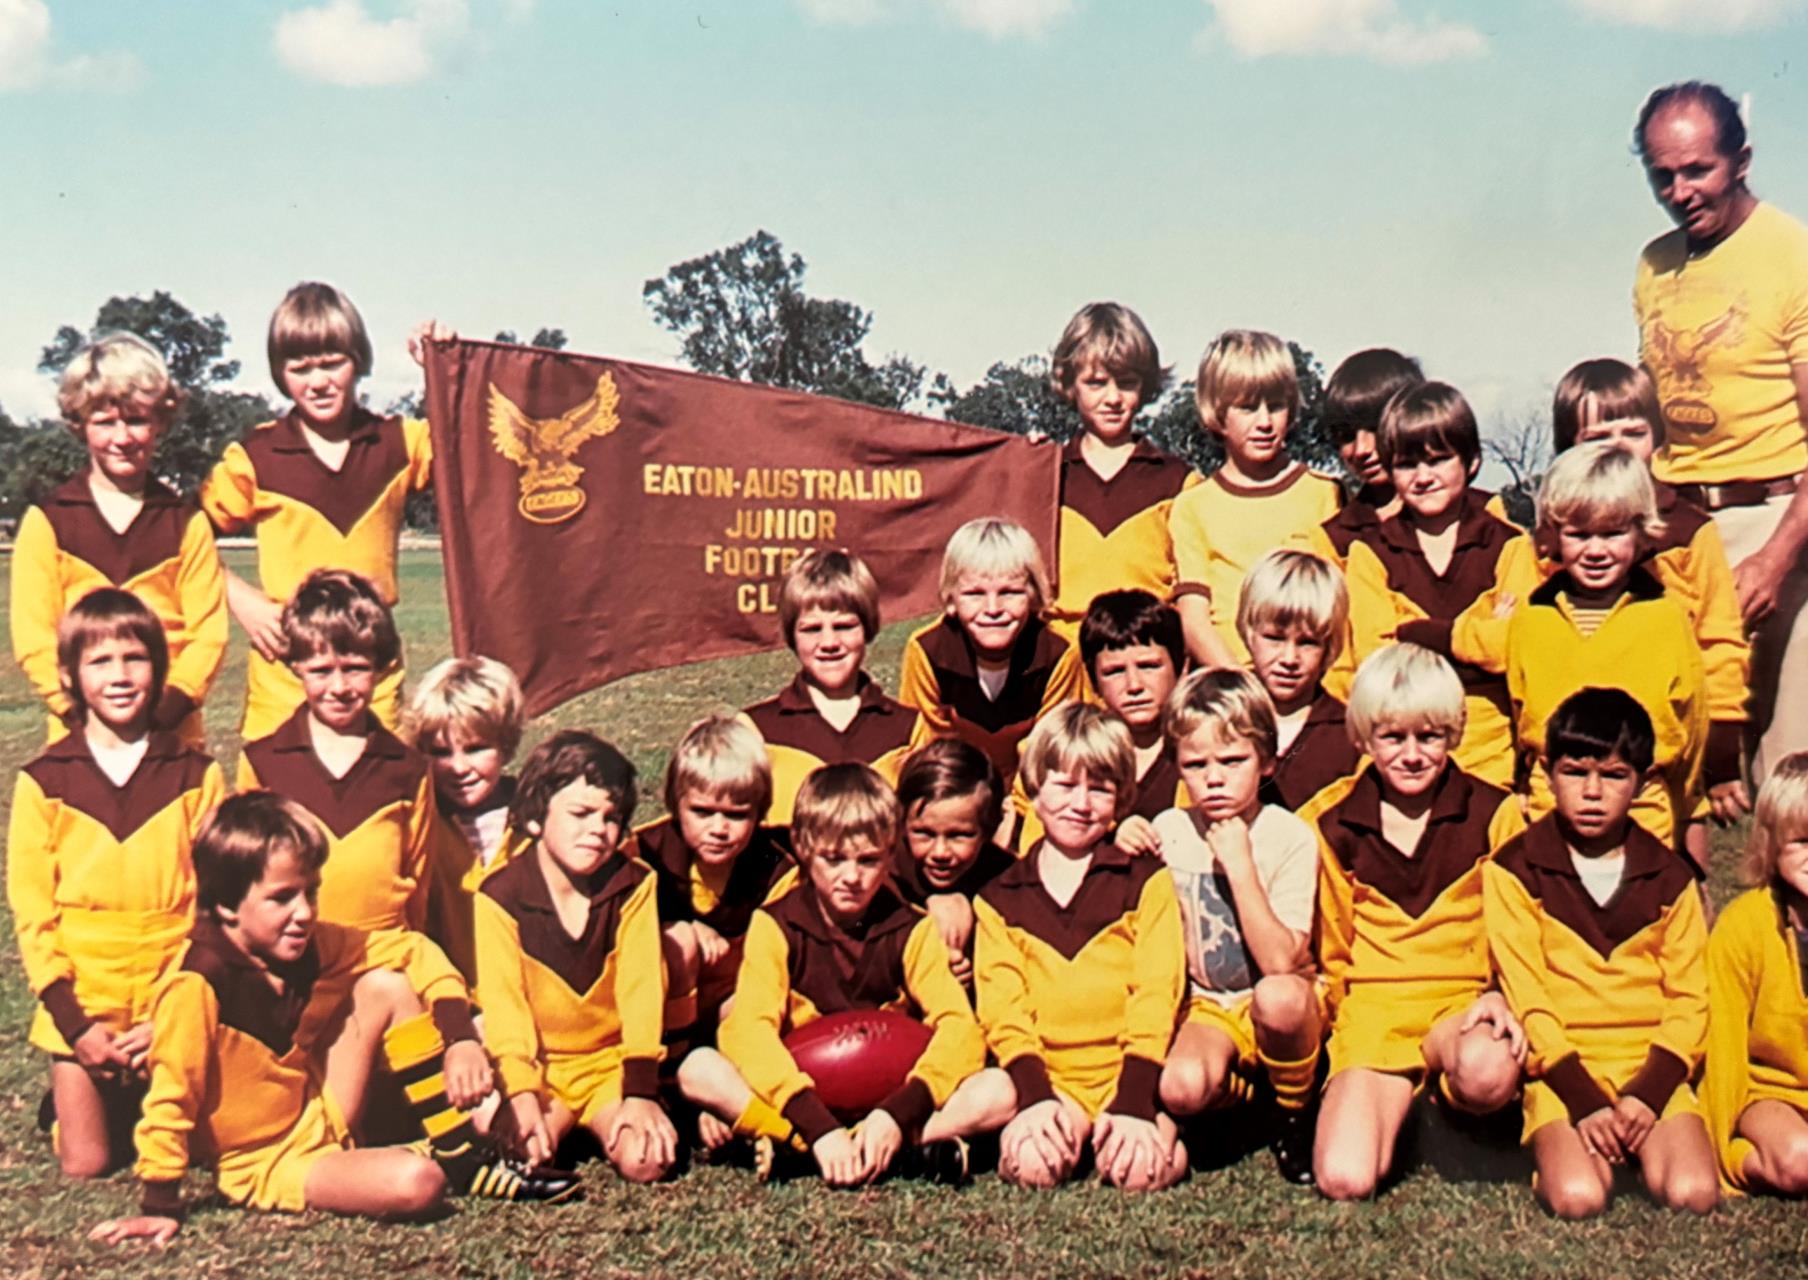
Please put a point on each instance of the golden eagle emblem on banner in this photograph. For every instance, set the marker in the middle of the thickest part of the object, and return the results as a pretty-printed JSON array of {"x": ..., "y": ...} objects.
[{"x": 543, "y": 447}]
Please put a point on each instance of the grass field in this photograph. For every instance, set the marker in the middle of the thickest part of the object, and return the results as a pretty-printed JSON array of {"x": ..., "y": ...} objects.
[{"x": 1441, "y": 1219}]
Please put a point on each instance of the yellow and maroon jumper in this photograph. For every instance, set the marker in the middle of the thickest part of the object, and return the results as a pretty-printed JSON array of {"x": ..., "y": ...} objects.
[{"x": 799, "y": 741}]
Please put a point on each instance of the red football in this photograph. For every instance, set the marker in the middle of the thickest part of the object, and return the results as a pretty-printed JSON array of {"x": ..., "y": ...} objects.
[{"x": 859, "y": 1057}]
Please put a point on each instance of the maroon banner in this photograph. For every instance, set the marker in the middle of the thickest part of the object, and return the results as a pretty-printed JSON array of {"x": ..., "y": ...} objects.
[{"x": 601, "y": 518}]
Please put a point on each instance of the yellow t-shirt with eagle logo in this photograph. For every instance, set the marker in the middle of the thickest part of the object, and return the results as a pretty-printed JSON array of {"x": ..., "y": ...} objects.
[{"x": 1720, "y": 333}]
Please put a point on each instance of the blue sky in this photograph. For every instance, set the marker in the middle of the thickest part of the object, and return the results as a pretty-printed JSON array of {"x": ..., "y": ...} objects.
[{"x": 1449, "y": 177}]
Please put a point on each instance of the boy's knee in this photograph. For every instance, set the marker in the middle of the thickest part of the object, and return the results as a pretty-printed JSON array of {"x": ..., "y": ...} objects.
[
  {"x": 83, "y": 1163},
  {"x": 1696, "y": 1190},
  {"x": 387, "y": 989},
  {"x": 1484, "y": 1076},
  {"x": 701, "y": 1071},
  {"x": 1792, "y": 1168},
  {"x": 1574, "y": 1195},
  {"x": 642, "y": 1170},
  {"x": 1187, "y": 1086},
  {"x": 419, "y": 1188},
  {"x": 1283, "y": 1004},
  {"x": 1343, "y": 1175},
  {"x": 1028, "y": 1169},
  {"x": 995, "y": 1095}
]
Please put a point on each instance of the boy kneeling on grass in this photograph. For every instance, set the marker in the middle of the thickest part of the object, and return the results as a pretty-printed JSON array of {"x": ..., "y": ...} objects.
[
  {"x": 265, "y": 1040},
  {"x": 1597, "y": 934}
]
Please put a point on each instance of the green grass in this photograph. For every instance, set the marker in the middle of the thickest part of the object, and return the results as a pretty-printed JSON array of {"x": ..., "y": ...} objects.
[{"x": 1239, "y": 1220}]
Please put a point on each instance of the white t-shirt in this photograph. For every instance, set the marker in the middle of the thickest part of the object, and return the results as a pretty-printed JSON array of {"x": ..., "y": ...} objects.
[
  {"x": 1602, "y": 875},
  {"x": 1288, "y": 728},
  {"x": 1285, "y": 852},
  {"x": 484, "y": 830},
  {"x": 991, "y": 680},
  {"x": 120, "y": 763}
]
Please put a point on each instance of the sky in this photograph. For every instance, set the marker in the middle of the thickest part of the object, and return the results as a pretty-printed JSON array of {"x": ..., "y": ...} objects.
[{"x": 1451, "y": 177}]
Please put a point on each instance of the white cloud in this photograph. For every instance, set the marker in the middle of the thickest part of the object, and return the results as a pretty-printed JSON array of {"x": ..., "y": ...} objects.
[
  {"x": 25, "y": 61},
  {"x": 1693, "y": 15},
  {"x": 995, "y": 18},
  {"x": 26, "y": 394},
  {"x": 341, "y": 42},
  {"x": 1373, "y": 29}
]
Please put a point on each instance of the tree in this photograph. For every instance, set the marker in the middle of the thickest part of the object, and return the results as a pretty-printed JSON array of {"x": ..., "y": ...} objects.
[
  {"x": 1018, "y": 398},
  {"x": 551, "y": 339},
  {"x": 194, "y": 348},
  {"x": 741, "y": 312},
  {"x": 1522, "y": 445}
]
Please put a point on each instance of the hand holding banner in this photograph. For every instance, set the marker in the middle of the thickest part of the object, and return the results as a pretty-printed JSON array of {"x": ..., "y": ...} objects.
[{"x": 601, "y": 517}]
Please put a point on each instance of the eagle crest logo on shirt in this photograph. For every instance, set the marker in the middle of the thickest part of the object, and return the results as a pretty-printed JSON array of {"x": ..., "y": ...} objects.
[
  {"x": 543, "y": 449},
  {"x": 1676, "y": 356}
]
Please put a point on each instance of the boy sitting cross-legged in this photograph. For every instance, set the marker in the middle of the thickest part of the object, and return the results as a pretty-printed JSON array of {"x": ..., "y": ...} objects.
[
  {"x": 842, "y": 940},
  {"x": 1598, "y": 937},
  {"x": 1246, "y": 874},
  {"x": 1292, "y": 613},
  {"x": 1079, "y": 970},
  {"x": 265, "y": 1039},
  {"x": 1401, "y": 945},
  {"x": 568, "y": 965},
  {"x": 372, "y": 793},
  {"x": 98, "y": 873}
]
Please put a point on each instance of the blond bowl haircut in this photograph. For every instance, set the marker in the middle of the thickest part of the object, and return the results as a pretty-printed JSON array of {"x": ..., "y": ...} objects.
[
  {"x": 476, "y": 699},
  {"x": 1604, "y": 390},
  {"x": 720, "y": 756},
  {"x": 993, "y": 546},
  {"x": 839, "y": 803},
  {"x": 1231, "y": 701},
  {"x": 1295, "y": 589},
  {"x": 117, "y": 371},
  {"x": 1112, "y": 335},
  {"x": 1780, "y": 816},
  {"x": 1243, "y": 366},
  {"x": 1078, "y": 737},
  {"x": 316, "y": 319},
  {"x": 1597, "y": 486},
  {"x": 838, "y": 581},
  {"x": 1409, "y": 685}
]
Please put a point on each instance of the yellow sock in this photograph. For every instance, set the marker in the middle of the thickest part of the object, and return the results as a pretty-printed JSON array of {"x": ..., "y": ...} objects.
[
  {"x": 760, "y": 1119},
  {"x": 1293, "y": 1081}
]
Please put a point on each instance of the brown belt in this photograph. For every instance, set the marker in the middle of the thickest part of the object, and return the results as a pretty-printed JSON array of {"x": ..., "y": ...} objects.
[{"x": 1738, "y": 493}]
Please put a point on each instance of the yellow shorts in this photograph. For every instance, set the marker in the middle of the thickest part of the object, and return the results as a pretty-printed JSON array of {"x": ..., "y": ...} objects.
[
  {"x": 1382, "y": 1026},
  {"x": 122, "y": 959},
  {"x": 1542, "y": 1106},
  {"x": 1086, "y": 1073},
  {"x": 1236, "y": 1021},
  {"x": 586, "y": 1083},
  {"x": 274, "y": 1176}
]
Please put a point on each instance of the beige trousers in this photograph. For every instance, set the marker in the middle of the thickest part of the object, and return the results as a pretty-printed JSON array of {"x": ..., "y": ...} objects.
[{"x": 1779, "y": 679}]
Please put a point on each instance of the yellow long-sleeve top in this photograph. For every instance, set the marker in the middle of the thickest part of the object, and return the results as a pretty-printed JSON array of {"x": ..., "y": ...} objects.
[
  {"x": 1385, "y": 917},
  {"x": 1320, "y": 754},
  {"x": 1646, "y": 647},
  {"x": 100, "y": 882},
  {"x": 1757, "y": 1043},
  {"x": 798, "y": 966},
  {"x": 309, "y": 517},
  {"x": 688, "y": 891},
  {"x": 940, "y": 681},
  {"x": 166, "y": 557},
  {"x": 799, "y": 741},
  {"x": 1600, "y": 988},
  {"x": 236, "y": 1045},
  {"x": 1221, "y": 528},
  {"x": 1358, "y": 520},
  {"x": 548, "y": 995},
  {"x": 1114, "y": 533},
  {"x": 1097, "y": 981},
  {"x": 380, "y": 818}
]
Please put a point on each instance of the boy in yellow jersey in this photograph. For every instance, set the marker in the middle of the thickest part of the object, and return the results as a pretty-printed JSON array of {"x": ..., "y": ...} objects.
[
  {"x": 1401, "y": 945},
  {"x": 115, "y": 524},
  {"x": 952, "y": 802},
  {"x": 1420, "y": 578},
  {"x": 1755, "y": 1086},
  {"x": 1603, "y": 619},
  {"x": 323, "y": 485},
  {"x": 1357, "y": 392},
  {"x": 833, "y": 712},
  {"x": 1612, "y": 402},
  {"x": 1134, "y": 651},
  {"x": 373, "y": 794},
  {"x": 990, "y": 668},
  {"x": 568, "y": 966},
  {"x": 1246, "y": 874},
  {"x": 1116, "y": 488},
  {"x": 1293, "y": 614},
  {"x": 842, "y": 940},
  {"x": 1248, "y": 393},
  {"x": 266, "y": 1038},
  {"x": 1079, "y": 971},
  {"x": 466, "y": 718},
  {"x": 98, "y": 872},
  {"x": 1597, "y": 935},
  {"x": 714, "y": 862}
]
